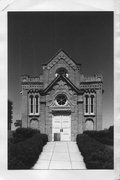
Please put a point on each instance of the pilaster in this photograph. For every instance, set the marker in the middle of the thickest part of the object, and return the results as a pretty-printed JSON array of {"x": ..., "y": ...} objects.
[
  {"x": 24, "y": 109},
  {"x": 99, "y": 110}
]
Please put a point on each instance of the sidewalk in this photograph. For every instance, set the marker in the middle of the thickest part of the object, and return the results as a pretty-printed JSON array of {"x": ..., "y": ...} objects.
[{"x": 60, "y": 155}]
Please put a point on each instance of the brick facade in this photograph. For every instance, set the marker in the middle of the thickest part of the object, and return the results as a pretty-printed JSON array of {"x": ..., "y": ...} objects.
[{"x": 62, "y": 76}]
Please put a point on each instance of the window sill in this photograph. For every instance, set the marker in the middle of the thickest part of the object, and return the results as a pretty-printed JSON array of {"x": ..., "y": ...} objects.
[
  {"x": 31, "y": 115},
  {"x": 90, "y": 115}
]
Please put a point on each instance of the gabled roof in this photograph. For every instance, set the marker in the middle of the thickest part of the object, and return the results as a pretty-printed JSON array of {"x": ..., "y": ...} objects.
[
  {"x": 62, "y": 77},
  {"x": 61, "y": 54}
]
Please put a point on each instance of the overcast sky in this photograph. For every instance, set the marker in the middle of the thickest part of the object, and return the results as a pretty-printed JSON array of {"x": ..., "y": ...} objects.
[{"x": 35, "y": 37}]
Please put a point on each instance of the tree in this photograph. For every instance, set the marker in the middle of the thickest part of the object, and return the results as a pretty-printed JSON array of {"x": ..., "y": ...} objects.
[
  {"x": 18, "y": 123},
  {"x": 10, "y": 114}
]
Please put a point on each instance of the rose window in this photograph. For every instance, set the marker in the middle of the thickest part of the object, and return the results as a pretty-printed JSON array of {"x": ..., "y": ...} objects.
[{"x": 61, "y": 99}]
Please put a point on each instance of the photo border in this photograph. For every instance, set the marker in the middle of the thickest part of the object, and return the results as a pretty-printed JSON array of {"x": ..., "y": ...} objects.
[{"x": 53, "y": 174}]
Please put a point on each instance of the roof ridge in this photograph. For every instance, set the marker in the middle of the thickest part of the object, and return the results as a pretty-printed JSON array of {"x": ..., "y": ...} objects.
[{"x": 61, "y": 50}]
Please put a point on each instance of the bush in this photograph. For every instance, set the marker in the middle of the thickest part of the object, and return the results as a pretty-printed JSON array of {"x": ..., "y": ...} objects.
[
  {"x": 22, "y": 134},
  {"x": 44, "y": 138},
  {"x": 111, "y": 129},
  {"x": 10, "y": 134},
  {"x": 24, "y": 154},
  {"x": 103, "y": 136},
  {"x": 10, "y": 140},
  {"x": 96, "y": 155}
]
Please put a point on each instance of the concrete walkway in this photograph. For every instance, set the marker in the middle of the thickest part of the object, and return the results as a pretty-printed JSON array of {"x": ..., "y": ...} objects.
[{"x": 60, "y": 155}]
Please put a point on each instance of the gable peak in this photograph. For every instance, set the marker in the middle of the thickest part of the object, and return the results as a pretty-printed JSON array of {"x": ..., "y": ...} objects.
[{"x": 61, "y": 54}]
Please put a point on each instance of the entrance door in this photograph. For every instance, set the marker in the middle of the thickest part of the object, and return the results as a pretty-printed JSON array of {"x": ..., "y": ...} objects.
[
  {"x": 61, "y": 127},
  {"x": 65, "y": 128}
]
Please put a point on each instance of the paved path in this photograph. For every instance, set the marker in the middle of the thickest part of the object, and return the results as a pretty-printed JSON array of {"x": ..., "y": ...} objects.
[{"x": 60, "y": 155}]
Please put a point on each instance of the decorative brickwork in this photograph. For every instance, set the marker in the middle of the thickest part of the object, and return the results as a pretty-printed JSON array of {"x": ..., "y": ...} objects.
[{"x": 62, "y": 76}]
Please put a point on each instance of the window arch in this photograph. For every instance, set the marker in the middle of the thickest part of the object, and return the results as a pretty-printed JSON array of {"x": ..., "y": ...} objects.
[
  {"x": 34, "y": 123},
  {"x": 89, "y": 125},
  {"x": 61, "y": 71}
]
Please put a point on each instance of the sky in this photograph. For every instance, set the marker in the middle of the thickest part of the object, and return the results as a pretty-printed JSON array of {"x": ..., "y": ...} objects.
[{"x": 35, "y": 37}]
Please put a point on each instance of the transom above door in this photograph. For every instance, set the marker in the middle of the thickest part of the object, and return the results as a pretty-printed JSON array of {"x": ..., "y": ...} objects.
[{"x": 61, "y": 128}]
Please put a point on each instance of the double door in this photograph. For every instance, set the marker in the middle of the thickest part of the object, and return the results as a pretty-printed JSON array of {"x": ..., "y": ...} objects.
[{"x": 61, "y": 128}]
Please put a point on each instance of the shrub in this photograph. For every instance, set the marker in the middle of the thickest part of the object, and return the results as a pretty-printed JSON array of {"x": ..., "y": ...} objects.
[
  {"x": 103, "y": 136},
  {"x": 24, "y": 154},
  {"x": 96, "y": 155},
  {"x": 44, "y": 138},
  {"x": 111, "y": 129},
  {"x": 10, "y": 140},
  {"x": 10, "y": 134},
  {"x": 22, "y": 134}
]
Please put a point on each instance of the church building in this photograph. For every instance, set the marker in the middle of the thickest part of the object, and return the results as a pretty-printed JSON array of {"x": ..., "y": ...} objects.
[{"x": 62, "y": 102}]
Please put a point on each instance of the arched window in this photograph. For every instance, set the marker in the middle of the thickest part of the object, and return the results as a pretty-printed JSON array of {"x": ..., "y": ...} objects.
[
  {"x": 89, "y": 125},
  {"x": 36, "y": 104},
  {"x": 31, "y": 109},
  {"x": 61, "y": 71},
  {"x": 86, "y": 104},
  {"x": 92, "y": 104}
]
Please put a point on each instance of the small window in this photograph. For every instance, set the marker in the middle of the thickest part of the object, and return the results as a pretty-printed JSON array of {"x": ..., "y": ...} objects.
[
  {"x": 36, "y": 104},
  {"x": 89, "y": 104},
  {"x": 61, "y": 71},
  {"x": 31, "y": 104},
  {"x": 92, "y": 104},
  {"x": 56, "y": 74},
  {"x": 66, "y": 74},
  {"x": 61, "y": 99},
  {"x": 86, "y": 104}
]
